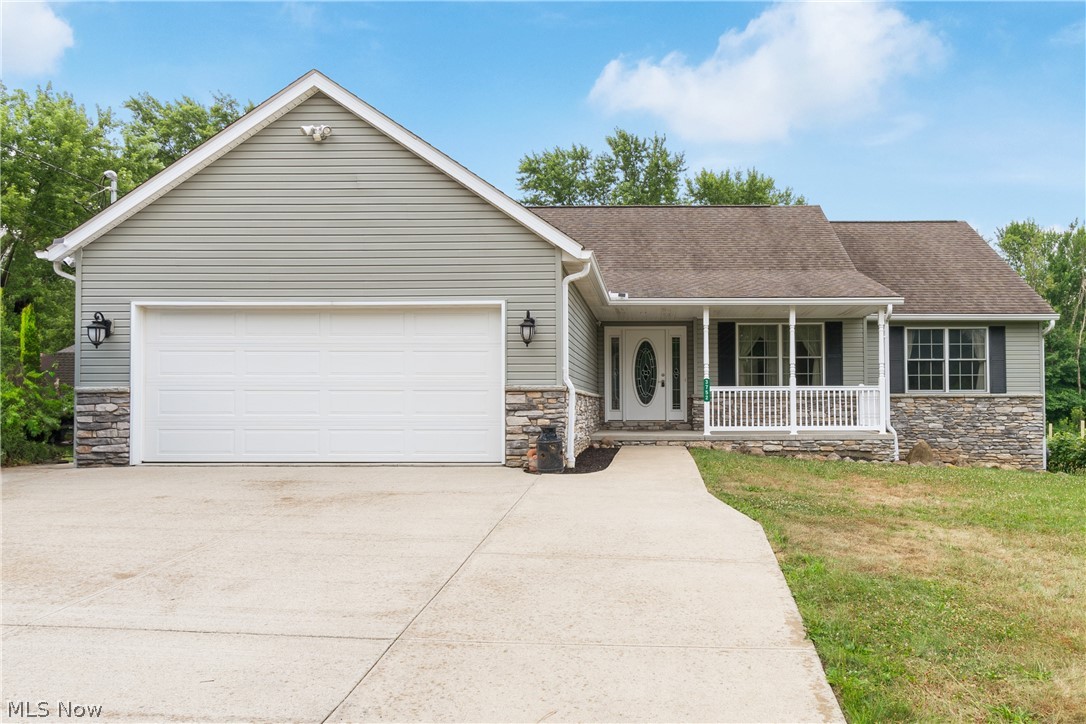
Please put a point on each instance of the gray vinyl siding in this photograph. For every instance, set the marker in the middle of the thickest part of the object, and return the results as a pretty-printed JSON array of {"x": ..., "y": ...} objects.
[
  {"x": 584, "y": 366},
  {"x": 355, "y": 218},
  {"x": 871, "y": 355},
  {"x": 852, "y": 347},
  {"x": 1024, "y": 373}
]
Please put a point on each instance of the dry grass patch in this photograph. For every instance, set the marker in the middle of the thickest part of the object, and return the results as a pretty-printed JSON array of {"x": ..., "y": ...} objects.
[{"x": 931, "y": 594}]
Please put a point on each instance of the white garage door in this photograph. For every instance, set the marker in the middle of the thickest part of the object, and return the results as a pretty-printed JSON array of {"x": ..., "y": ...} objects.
[{"x": 322, "y": 385}]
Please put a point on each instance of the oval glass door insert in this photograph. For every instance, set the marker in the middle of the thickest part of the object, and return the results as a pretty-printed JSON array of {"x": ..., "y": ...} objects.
[{"x": 645, "y": 372}]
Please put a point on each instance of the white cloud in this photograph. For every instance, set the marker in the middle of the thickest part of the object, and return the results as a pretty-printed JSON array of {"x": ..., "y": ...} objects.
[
  {"x": 796, "y": 65},
  {"x": 34, "y": 38},
  {"x": 1073, "y": 34}
]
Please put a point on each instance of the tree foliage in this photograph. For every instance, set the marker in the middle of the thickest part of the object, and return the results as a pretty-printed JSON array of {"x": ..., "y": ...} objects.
[
  {"x": 634, "y": 171},
  {"x": 738, "y": 188},
  {"x": 638, "y": 171},
  {"x": 1053, "y": 262},
  {"x": 53, "y": 153}
]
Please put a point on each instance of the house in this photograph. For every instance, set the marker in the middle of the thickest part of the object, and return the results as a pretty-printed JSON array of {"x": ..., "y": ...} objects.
[{"x": 317, "y": 284}]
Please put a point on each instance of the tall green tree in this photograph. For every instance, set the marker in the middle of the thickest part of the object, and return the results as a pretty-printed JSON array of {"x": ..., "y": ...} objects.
[
  {"x": 52, "y": 155},
  {"x": 1053, "y": 262},
  {"x": 161, "y": 132},
  {"x": 735, "y": 187},
  {"x": 639, "y": 171},
  {"x": 634, "y": 170}
]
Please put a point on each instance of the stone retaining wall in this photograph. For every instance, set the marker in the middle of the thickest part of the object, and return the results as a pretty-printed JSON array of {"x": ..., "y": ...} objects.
[
  {"x": 526, "y": 409},
  {"x": 102, "y": 426},
  {"x": 879, "y": 449},
  {"x": 589, "y": 415},
  {"x": 984, "y": 430}
]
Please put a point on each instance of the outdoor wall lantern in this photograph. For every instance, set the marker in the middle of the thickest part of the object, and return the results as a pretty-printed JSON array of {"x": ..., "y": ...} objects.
[
  {"x": 527, "y": 329},
  {"x": 98, "y": 330}
]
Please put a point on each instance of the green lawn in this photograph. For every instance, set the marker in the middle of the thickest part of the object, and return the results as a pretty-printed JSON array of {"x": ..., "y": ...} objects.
[{"x": 931, "y": 594}]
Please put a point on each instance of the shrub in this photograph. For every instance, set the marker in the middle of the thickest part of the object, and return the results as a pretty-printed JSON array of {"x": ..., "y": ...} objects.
[
  {"x": 30, "y": 413},
  {"x": 1067, "y": 453}
]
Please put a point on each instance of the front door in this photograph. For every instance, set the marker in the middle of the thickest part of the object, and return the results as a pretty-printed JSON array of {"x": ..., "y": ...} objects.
[{"x": 646, "y": 366}]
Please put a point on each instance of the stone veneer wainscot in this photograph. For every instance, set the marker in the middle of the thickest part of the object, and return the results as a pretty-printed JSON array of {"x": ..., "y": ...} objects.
[
  {"x": 991, "y": 429},
  {"x": 526, "y": 410},
  {"x": 102, "y": 426}
]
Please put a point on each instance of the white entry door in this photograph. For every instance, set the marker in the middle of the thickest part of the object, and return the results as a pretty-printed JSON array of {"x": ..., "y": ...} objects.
[
  {"x": 398, "y": 384},
  {"x": 646, "y": 373}
]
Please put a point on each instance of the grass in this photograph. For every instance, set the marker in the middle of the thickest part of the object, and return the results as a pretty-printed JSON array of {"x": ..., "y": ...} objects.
[{"x": 931, "y": 594}]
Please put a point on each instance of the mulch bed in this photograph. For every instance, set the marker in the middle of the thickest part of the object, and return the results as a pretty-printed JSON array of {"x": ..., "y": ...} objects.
[{"x": 592, "y": 460}]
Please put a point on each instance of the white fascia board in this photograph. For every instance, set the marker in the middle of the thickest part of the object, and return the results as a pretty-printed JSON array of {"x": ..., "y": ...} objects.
[
  {"x": 726, "y": 301},
  {"x": 973, "y": 317},
  {"x": 271, "y": 110}
]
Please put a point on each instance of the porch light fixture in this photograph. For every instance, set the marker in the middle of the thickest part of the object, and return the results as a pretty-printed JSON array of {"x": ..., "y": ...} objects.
[
  {"x": 527, "y": 329},
  {"x": 317, "y": 133},
  {"x": 99, "y": 329}
]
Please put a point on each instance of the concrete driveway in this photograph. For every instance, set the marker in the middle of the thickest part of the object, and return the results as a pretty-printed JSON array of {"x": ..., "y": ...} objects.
[{"x": 408, "y": 594}]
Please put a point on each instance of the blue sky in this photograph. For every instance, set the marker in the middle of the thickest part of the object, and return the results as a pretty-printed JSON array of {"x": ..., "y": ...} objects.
[{"x": 973, "y": 111}]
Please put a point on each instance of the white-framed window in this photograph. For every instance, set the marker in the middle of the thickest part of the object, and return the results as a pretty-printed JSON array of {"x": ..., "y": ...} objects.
[
  {"x": 947, "y": 359},
  {"x": 763, "y": 354}
]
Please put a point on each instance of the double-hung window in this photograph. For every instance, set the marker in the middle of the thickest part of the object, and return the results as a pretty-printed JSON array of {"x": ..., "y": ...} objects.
[
  {"x": 947, "y": 360},
  {"x": 763, "y": 355}
]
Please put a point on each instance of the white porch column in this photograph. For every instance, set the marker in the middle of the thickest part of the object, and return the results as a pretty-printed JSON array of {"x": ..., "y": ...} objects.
[
  {"x": 793, "y": 424},
  {"x": 883, "y": 396},
  {"x": 705, "y": 369}
]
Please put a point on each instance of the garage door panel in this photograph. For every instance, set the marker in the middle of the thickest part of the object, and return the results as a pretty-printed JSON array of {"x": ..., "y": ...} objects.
[
  {"x": 175, "y": 402},
  {"x": 374, "y": 402},
  {"x": 191, "y": 444},
  {"x": 340, "y": 385},
  {"x": 280, "y": 362},
  {"x": 389, "y": 363},
  {"x": 282, "y": 402},
  {"x": 368, "y": 444},
  {"x": 387, "y": 325},
  {"x": 190, "y": 363},
  {"x": 282, "y": 325}
]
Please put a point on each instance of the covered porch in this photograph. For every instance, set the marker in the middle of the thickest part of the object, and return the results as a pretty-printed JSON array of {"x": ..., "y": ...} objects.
[{"x": 750, "y": 379}]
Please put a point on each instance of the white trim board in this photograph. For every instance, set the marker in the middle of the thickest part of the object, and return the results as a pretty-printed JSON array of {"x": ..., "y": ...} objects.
[{"x": 267, "y": 112}]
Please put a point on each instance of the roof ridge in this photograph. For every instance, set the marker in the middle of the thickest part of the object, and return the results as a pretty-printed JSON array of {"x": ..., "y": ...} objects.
[{"x": 903, "y": 221}]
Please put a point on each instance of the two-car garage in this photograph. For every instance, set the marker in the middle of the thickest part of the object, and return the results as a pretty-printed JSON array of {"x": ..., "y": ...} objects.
[{"x": 318, "y": 383}]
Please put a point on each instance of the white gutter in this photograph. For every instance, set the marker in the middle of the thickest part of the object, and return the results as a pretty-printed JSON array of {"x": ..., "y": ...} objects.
[
  {"x": 56, "y": 264},
  {"x": 974, "y": 317},
  {"x": 1044, "y": 396},
  {"x": 731, "y": 301},
  {"x": 889, "y": 410},
  {"x": 571, "y": 392}
]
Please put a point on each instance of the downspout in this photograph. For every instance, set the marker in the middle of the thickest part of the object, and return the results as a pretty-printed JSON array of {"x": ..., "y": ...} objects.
[
  {"x": 1044, "y": 396},
  {"x": 889, "y": 409},
  {"x": 56, "y": 265},
  {"x": 571, "y": 392}
]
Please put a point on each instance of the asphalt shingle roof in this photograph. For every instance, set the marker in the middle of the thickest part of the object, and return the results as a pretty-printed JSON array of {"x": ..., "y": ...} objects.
[
  {"x": 731, "y": 252},
  {"x": 940, "y": 267},
  {"x": 715, "y": 251}
]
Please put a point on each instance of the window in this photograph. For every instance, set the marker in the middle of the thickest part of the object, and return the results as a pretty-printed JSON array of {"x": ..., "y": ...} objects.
[
  {"x": 759, "y": 355},
  {"x": 616, "y": 375},
  {"x": 676, "y": 374},
  {"x": 763, "y": 355},
  {"x": 941, "y": 360},
  {"x": 925, "y": 368}
]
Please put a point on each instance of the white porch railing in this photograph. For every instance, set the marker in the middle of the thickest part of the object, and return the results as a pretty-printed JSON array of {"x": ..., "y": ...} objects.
[{"x": 817, "y": 408}]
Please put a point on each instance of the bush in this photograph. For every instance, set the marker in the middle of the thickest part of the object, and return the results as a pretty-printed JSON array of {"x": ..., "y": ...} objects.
[
  {"x": 1067, "y": 453},
  {"x": 29, "y": 414}
]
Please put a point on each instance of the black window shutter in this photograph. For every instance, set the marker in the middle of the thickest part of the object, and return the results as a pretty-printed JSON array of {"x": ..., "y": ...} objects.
[
  {"x": 997, "y": 359},
  {"x": 725, "y": 347},
  {"x": 897, "y": 359},
  {"x": 835, "y": 353}
]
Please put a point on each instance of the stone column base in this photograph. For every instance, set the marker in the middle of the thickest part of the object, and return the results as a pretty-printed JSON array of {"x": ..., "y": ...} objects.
[
  {"x": 102, "y": 426},
  {"x": 526, "y": 410}
]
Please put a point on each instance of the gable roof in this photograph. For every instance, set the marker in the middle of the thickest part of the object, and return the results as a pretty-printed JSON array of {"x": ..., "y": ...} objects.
[
  {"x": 270, "y": 110},
  {"x": 941, "y": 268},
  {"x": 717, "y": 252}
]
